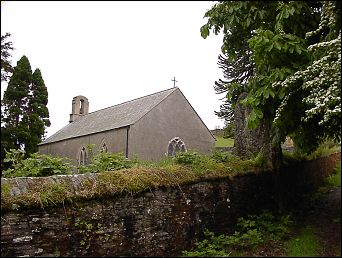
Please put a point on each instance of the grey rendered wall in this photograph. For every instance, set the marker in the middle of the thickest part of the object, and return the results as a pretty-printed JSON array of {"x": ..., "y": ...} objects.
[
  {"x": 115, "y": 141},
  {"x": 173, "y": 117}
]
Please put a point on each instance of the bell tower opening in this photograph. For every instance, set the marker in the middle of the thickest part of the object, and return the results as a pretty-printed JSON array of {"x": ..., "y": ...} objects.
[{"x": 80, "y": 107}]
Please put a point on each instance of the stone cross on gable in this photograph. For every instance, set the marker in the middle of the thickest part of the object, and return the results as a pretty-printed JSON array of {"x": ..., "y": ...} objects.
[{"x": 174, "y": 81}]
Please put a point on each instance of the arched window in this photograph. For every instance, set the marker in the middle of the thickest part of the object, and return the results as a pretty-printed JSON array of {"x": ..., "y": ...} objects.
[
  {"x": 81, "y": 106},
  {"x": 175, "y": 145},
  {"x": 104, "y": 148},
  {"x": 83, "y": 160}
]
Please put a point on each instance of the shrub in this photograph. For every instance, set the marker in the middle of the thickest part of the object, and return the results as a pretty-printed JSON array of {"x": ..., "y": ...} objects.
[
  {"x": 187, "y": 158},
  {"x": 37, "y": 165},
  {"x": 334, "y": 180},
  {"x": 251, "y": 232},
  {"x": 105, "y": 161},
  {"x": 221, "y": 156},
  {"x": 211, "y": 246}
]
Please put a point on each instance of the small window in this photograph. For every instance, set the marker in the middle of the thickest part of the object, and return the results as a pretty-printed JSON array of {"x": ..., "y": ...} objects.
[
  {"x": 83, "y": 157},
  {"x": 104, "y": 148},
  {"x": 174, "y": 146},
  {"x": 81, "y": 106}
]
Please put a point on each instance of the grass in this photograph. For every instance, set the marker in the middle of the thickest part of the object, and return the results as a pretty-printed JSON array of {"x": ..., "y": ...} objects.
[
  {"x": 305, "y": 245},
  {"x": 222, "y": 142},
  {"x": 334, "y": 180},
  {"x": 136, "y": 179}
]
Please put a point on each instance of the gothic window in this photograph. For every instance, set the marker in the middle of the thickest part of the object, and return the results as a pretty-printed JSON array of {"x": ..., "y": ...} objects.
[
  {"x": 83, "y": 157},
  {"x": 104, "y": 148},
  {"x": 174, "y": 146}
]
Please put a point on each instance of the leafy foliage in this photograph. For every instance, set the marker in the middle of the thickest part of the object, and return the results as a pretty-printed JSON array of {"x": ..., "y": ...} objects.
[
  {"x": 281, "y": 53},
  {"x": 187, "y": 158},
  {"x": 104, "y": 161},
  {"x": 37, "y": 165},
  {"x": 221, "y": 156},
  {"x": 251, "y": 232}
]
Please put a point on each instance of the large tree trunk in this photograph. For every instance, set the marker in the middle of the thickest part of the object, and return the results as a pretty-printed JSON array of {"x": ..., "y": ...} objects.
[{"x": 249, "y": 143}]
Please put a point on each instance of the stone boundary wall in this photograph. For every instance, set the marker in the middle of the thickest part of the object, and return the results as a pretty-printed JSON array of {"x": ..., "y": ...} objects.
[{"x": 158, "y": 222}]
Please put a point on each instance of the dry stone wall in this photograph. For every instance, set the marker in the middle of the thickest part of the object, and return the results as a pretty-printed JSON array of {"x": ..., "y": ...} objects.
[{"x": 158, "y": 222}]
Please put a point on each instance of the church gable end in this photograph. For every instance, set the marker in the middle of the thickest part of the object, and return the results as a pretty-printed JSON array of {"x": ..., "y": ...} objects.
[{"x": 150, "y": 127}]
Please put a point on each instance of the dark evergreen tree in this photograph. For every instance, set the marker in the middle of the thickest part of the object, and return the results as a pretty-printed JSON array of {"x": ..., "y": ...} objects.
[
  {"x": 38, "y": 112},
  {"x": 24, "y": 112},
  {"x": 6, "y": 67},
  {"x": 15, "y": 103}
]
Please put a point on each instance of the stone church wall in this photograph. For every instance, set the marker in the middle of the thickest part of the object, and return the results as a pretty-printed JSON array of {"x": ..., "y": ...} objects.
[
  {"x": 115, "y": 141},
  {"x": 173, "y": 117},
  {"x": 158, "y": 222}
]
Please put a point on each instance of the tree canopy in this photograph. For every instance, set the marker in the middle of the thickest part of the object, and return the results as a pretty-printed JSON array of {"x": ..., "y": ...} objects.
[
  {"x": 286, "y": 55},
  {"x": 24, "y": 112}
]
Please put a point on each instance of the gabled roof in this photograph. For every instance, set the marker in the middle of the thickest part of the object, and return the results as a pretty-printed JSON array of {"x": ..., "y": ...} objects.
[{"x": 113, "y": 117}]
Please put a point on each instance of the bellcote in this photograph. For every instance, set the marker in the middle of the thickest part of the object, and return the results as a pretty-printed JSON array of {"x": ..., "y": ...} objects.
[{"x": 80, "y": 107}]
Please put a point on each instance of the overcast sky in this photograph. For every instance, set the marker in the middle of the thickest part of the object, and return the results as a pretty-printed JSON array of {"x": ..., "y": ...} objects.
[{"x": 112, "y": 52}]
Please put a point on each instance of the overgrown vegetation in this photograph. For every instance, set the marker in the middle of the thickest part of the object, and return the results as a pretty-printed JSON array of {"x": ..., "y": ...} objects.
[
  {"x": 304, "y": 245},
  {"x": 334, "y": 180},
  {"x": 251, "y": 232},
  {"x": 37, "y": 165},
  {"x": 104, "y": 161},
  {"x": 324, "y": 149},
  {"x": 330, "y": 182},
  {"x": 115, "y": 174}
]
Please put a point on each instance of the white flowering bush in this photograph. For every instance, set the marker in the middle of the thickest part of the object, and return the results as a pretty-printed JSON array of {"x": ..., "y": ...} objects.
[
  {"x": 319, "y": 83},
  {"x": 286, "y": 55}
]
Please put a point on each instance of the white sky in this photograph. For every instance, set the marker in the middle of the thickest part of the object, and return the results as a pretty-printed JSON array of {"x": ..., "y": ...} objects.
[{"x": 112, "y": 52}]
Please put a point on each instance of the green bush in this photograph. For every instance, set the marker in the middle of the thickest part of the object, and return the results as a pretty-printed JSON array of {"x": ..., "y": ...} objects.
[
  {"x": 37, "y": 165},
  {"x": 334, "y": 180},
  {"x": 187, "y": 158},
  {"x": 252, "y": 231},
  {"x": 221, "y": 156},
  {"x": 211, "y": 246},
  {"x": 105, "y": 161}
]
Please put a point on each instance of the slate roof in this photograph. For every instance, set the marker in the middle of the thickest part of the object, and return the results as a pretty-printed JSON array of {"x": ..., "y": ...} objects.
[{"x": 113, "y": 117}]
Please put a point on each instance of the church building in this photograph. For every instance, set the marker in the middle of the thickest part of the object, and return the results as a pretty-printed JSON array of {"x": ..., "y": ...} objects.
[{"x": 149, "y": 128}]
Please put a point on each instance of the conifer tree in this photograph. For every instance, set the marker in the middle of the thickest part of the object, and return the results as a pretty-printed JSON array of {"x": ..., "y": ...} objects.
[
  {"x": 14, "y": 103},
  {"x": 38, "y": 112},
  {"x": 24, "y": 111},
  {"x": 6, "y": 67}
]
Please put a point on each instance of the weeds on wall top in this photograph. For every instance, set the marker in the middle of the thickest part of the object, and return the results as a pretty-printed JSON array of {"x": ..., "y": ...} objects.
[{"x": 36, "y": 165}]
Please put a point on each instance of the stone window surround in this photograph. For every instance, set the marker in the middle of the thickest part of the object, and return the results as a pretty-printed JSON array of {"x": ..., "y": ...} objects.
[
  {"x": 83, "y": 156},
  {"x": 176, "y": 143}
]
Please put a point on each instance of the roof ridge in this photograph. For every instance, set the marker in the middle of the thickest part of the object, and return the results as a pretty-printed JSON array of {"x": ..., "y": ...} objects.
[
  {"x": 131, "y": 100},
  {"x": 159, "y": 96}
]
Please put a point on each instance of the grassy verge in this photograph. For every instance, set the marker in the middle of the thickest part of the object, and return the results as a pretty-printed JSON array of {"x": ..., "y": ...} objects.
[
  {"x": 184, "y": 168},
  {"x": 306, "y": 244},
  {"x": 223, "y": 142}
]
